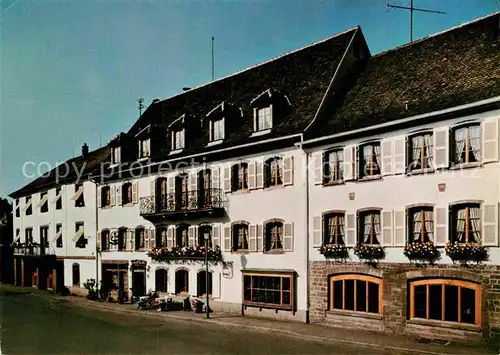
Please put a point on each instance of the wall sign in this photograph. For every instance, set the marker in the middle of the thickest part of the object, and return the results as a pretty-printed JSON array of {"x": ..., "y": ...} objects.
[{"x": 228, "y": 270}]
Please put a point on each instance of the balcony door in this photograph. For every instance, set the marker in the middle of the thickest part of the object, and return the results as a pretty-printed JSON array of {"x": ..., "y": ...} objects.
[
  {"x": 161, "y": 194},
  {"x": 181, "y": 192},
  {"x": 205, "y": 184}
]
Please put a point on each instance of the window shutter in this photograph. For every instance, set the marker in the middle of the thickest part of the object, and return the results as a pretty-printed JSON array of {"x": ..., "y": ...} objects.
[
  {"x": 260, "y": 237},
  {"x": 387, "y": 229},
  {"x": 215, "y": 177},
  {"x": 259, "y": 174},
  {"x": 255, "y": 119},
  {"x": 251, "y": 176},
  {"x": 441, "y": 147},
  {"x": 216, "y": 236},
  {"x": 490, "y": 225},
  {"x": 288, "y": 170},
  {"x": 317, "y": 168},
  {"x": 399, "y": 228},
  {"x": 170, "y": 236},
  {"x": 399, "y": 155},
  {"x": 146, "y": 239},
  {"x": 288, "y": 236},
  {"x": 386, "y": 156},
  {"x": 350, "y": 239},
  {"x": 196, "y": 231},
  {"x": 191, "y": 236},
  {"x": 227, "y": 238},
  {"x": 99, "y": 192},
  {"x": 98, "y": 241},
  {"x": 130, "y": 236},
  {"x": 135, "y": 192},
  {"x": 317, "y": 235},
  {"x": 252, "y": 237},
  {"x": 490, "y": 140},
  {"x": 349, "y": 172},
  {"x": 118, "y": 155},
  {"x": 119, "y": 195},
  {"x": 227, "y": 179},
  {"x": 112, "y": 193},
  {"x": 152, "y": 238},
  {"x": 193, "y": 188},
  {"x": 153, "y": 189},
  {"x": 441, "y": 229},
  {"x": 170, "y": 185}
]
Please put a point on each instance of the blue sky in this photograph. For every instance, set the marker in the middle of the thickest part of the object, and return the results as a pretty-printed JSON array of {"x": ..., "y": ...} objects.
[{"x": 72, "y": 70}]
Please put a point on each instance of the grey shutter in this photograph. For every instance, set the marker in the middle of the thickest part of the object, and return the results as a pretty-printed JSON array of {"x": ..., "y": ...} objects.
[
  {"x": 252, "y": 237},
  {"x": 260, "y": 237},
  {"x": 227, "y": 179},
  {"x": 349, "y": 172},
  {"x": 399, "y": 155},
  {"x": 490, "y": 140},
  {"x": 386, "y": 228},
  {"x": 191, "y": 236},
  {"x": 288, "y": 236},
  {"x": 259, "y": 174},
  {"x": 170, "y": 236},
  {"x": 386, "y": 157},
  {"x": 490, "y": 225},
  {"x": 251, "y": 176},
  {"x": 227, "y": 238},
  {"x": 317, "y": 235},
  {"x": 216, "y": 236},
  {"x": 135, "y": 192},
  {"x": 399, "y": 228},
  {"x": 441, "y": 226},
  {"x": 112, "y": 193},
  {"x": 288, "y": 170},
  {"x": 441, "y": 147},
  {"x": 350, "y": 239},
  {"x": 215, "y": 177}
]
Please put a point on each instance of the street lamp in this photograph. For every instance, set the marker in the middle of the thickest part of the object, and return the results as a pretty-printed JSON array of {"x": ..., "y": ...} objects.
[{"x": 206, "y": 235}]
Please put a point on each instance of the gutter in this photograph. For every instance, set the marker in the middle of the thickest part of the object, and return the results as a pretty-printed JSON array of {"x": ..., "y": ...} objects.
[{"x": 404, "y": 120}]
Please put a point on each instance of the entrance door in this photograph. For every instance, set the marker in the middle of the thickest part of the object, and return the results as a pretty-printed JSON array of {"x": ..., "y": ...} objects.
[
  {"x": 138, "y": 283},
  {"x": 202, "y": 283},
  {"x": 181, "y": 281}
]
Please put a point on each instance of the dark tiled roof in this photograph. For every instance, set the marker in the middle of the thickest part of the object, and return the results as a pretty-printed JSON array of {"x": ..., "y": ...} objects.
[
  {"x": 59, "y": 175},
  {"x": 303, "y": 76},
  {"x": 456, "y": 67}
]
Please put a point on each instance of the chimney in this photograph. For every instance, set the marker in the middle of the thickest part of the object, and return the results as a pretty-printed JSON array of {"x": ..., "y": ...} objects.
[{"x": 85, "y": 150}]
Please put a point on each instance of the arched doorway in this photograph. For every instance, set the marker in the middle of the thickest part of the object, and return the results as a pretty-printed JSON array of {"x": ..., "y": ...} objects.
[
  {"x": 202, "y": 283},
  {"x": 161, "y": 277},
  {"x": 181, "y": 281}
]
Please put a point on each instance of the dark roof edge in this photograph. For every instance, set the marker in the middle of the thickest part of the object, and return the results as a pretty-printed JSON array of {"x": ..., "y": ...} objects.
[
  {"x": 482, "y": 105},
  {"x": 330, "y": 86},
  {"x": 262, "y": 63}
]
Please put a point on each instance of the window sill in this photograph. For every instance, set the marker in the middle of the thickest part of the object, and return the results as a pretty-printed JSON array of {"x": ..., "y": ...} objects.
[
  {"x": 177, "y": 151},
  {"x": 140, "y": 160},
  {"x": 465, "y": 166},
  {"x": 370, "y": 178},
  {"x": 261, "y": 133},
  {"x": 128, "y": 204},
  {"x": 274, "y": 187},
  {"x": 444, "y": 324},
  {"x": 333, "y": 183},
  {"x": 340, "y": 312},
  {"x": 274, "y": 252},
  {"x": 241, "y": 251},
  {"x": 212, "y": 143},
  {"x": 421, "y": 171},
  {"x": 238, "y": 192}
]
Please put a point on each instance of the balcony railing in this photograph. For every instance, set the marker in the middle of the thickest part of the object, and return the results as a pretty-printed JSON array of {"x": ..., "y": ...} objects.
[
  {"x": 32, "y": 249},
  {"x": 182, "y": 202}
]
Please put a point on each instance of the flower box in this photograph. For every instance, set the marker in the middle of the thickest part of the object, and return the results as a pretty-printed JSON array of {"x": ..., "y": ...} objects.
[
  {"x": 419, "y": 250},
  {"x": 185, "y": 253},
  {"x": 367, "y": 251},
  {"x": 466, "y": 251},
  {"x": 334, "y": 251}
]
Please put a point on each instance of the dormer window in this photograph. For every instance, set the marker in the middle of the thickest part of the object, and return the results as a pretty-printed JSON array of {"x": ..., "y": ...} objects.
[
  {"x": 217, "y": 119},
  {"x": 267, "y": 108},
  {"x": 116, "y": 155},
  {"x": 217, "y": 129},
  {"x": 144, "y": 148},
  {"x": 264, "y": 118},
  {"x": 178, "y": 139}
]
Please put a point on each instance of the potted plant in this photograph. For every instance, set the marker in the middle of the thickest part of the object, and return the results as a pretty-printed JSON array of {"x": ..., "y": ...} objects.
[
  {"x": 334, "y": 251},
  {"x": 420, "y": 250},
  {"x": 369, "y": 251},
  {"x": 466, "y": 251}
]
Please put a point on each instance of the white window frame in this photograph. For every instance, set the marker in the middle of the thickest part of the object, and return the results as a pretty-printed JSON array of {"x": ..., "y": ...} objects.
[
  {"x": 217, "y": 126},
  {"x": 264, "y": 113}
]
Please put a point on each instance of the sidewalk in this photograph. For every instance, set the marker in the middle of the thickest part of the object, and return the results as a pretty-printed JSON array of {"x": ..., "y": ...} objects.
[{"x": 395, "y": 343}]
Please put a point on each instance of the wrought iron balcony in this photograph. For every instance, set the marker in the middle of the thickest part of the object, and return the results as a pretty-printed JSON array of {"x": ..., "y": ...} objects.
[
  {"x": 31, "y": 249},
  {"x": 182, "y": 204}
]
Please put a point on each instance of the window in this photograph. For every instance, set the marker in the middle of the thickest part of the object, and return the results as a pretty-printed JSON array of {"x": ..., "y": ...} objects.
[
  {"x": 119, "y": 239},
  {"x": 421, "y": 224},
  {"x": 445, "y": 300},
  {"x": 18, "y": 209},
  {"x": 116, "y": 155},
  {"x": 18, "y": 232},
  {"x": 140, "y": 242},
  {"x": 105, "y": 196},
  {"x": 369, "y": 162},
  {"x": 178, "y": 140},
  {"x": 161, "y": 276},
  {"x": 201, "y": 235},
  {"x": 59, "y": 240},
  {"x": 44, "y": 236},
  {"x": 466, "y": 144},
  {"x": 240, "y": 177},
  {"x": 144, "y": 148},
  {"x": 182, "y": 191},
  {"x": 29, "y": 208},
  {"x": 28, "y": 235},
  {"x": 356, "y": 293},
  {"x": 274, "y": 236},
  {"x": 80, "y": 240},
  {"x": 78, "y": 196},
  {"x": 240, "y": 237},
  {"x": 44, "y": 203},
  {"x": 76, "y": 274},
  {"x": 334, "y": 168},
  {"x": 181, "y": 237},
  {"x": 105, "y": 240},
  {"x": 466, "y": 223},
  {"x": 58, "y": 199},
  {"x": 217, "y": 129},
  {"x": 274, "y": 291},
  {"x": 161, "y": 237},
  {"x": 273, "y": 172},
  {"x": 334, "y": 232},
  {"x": 127, "y": 193},
  {"x": 264, "y": 120},
  {"x": 420, "y": 152},
  {"x": 369, "y": 231}
]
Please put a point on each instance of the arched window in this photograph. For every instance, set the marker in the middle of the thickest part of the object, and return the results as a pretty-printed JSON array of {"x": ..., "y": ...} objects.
[
  {"x": 161, "y": 280},
  {"x": 140, "y": 240},
  {"x": 445, "y": 300},
  {"x": 76, "y": 274},
  {"x": 126, "y": 193},
  {"x": 239, "y": 177},
  {"x": 204, "y": 228},
  {"x": 181, "y": 281},
  {"x": 181, "y": 236},
  {"x": 273, "y": 172},
  {"x": 105, "y": 196},
  {"x": 161, "y": 236},
  {"x": 274, "y": 235},
  {"x": 240, "y": 237},
  {"x": 357, "y": 293}
]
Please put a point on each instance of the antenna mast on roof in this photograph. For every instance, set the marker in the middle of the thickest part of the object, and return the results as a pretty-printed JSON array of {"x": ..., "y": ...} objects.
[
  {"x": 140, "y": 105},
  {"x": 411, "y": 9},
  {"x": 213, "y": 63}
]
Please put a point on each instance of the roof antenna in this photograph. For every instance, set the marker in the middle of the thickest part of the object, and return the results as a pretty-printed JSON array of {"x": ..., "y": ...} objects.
[
  {"x": 411, "y": 9},
  {"x": 213, "y": 63},
  {"x": 140, "y": 105}
]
